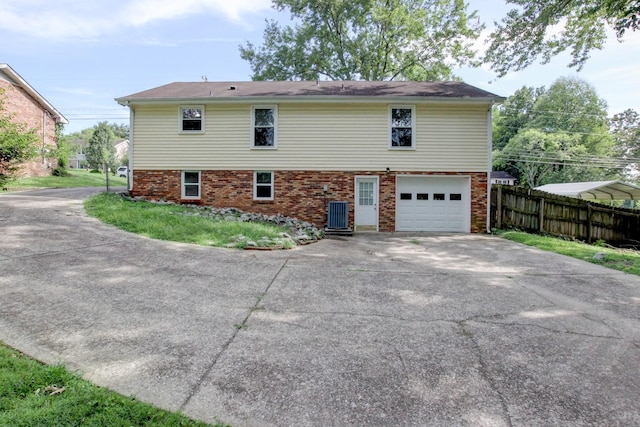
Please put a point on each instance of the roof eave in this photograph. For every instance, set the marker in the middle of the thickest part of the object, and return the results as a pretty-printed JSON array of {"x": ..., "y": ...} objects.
[
  {"x": 126, "y": 101},
  {"x": 34, "y": 94}
]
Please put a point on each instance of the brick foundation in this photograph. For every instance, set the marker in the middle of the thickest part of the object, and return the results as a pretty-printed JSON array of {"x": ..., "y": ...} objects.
[{"x": 297, "y": 193}]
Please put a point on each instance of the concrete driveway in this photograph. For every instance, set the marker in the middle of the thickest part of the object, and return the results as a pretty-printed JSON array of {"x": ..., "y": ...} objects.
[{"x": 376, "y": 329}]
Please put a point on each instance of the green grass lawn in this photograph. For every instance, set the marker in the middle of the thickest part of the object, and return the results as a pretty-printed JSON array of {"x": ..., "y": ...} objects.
[
  {"x": 180, "y": 223},
  {"x": 33, "y": 394},
  {"x": 618, "y": 259},
  {"x": 77, "y": 178}
]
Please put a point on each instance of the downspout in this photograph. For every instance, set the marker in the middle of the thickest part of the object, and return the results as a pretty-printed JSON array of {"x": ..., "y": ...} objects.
[
  {"x": 130, "y": 165},
  {"x": 489, "y": 163},
  {"x": 44, "y": 138}
]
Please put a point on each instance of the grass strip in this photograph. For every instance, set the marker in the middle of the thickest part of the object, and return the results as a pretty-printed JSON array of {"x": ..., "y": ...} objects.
[
  {"x": 34, "y": 394},
  {"x": 76, "y": 178},
  {"x": 626, "y": 260}
]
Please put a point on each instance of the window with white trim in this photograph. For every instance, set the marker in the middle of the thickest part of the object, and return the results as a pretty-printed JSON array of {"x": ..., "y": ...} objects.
[
  {"x": 192, "y": 118},
  {"x": 263, "y": 185},
  {"x": 190, "y": 185},
  {"x": 264, "y": 120},
  {"x": 402, "y": 124}
]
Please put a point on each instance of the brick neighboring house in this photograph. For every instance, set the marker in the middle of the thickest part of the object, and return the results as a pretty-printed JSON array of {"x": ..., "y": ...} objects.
[
  {"x": 405, "y": 156},
  {"x": 31, "y": 108}
]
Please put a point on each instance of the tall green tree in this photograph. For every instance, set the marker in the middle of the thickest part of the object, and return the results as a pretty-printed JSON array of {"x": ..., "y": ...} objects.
[
  {"x": 365, "y": 40},
  {"x": 517, "y": 112},
  {"x": 100, "y": 150},
  {"x": 625, "y": 129},
  {"x": 561, "y": 135},
  {"x": 572, "y": 105},
  {"x": 528, "y": 33},
  {"x": 534, "y": 156},
  {"x": 18, "y": 144}
]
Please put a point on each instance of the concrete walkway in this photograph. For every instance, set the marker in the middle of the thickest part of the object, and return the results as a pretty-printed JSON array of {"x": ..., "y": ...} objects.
[{"x": 376, "y": 329}]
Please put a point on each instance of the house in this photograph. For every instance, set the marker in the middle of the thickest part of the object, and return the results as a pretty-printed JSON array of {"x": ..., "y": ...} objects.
[
  {"x": 78, "y": 160},
  {"x": 121, "y": 149},
  {"x": 29, "y": 107},
  {"x": 504, "y": 178},
  {"x": 405, "y": 156}
]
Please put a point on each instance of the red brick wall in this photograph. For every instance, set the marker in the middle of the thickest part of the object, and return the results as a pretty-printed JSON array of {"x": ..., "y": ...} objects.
[
  {"x": 26, "y": 110},
  {"x": 297, "y": 193}
]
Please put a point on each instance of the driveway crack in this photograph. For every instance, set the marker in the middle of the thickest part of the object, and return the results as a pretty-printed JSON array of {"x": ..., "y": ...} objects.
[
  {"x": 484, "y": 371},
  {"x": 238, "y": 327}
]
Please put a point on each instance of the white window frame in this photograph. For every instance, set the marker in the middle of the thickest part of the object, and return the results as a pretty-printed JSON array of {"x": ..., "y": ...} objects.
[
  {"x": 183, "y": 185},
  {"x": 413, "y": 126},
  {"x": 181, "y": 120},
  {"x": 255, "y": 185},
  {"x": 275, "y": 127}
]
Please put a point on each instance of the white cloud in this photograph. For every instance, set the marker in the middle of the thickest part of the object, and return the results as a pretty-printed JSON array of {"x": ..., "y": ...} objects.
[{"x": 73, "y": 19}]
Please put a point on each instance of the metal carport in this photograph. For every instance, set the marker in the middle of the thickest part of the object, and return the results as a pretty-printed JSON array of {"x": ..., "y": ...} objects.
[{"x": 594, "y": 190}]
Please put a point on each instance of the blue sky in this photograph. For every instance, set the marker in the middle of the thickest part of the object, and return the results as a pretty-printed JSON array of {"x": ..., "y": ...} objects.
[{"x": 81, "y": 54}]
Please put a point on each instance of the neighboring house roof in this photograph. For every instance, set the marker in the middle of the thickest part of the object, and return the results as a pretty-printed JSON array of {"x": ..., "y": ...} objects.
[
  {"x": 501, "y": 175},
  {"x": 595, "y": 190},
  {"x": 203, "y": 91},
  {"x": 17, "y": 80}
]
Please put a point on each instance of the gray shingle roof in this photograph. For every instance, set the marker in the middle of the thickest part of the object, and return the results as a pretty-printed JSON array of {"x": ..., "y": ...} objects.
[{"x": 313, "y": 89}]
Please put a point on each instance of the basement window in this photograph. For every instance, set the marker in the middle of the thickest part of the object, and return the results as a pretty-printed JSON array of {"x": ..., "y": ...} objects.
[
  {"x": 190, "y": 185},
  {"x": 263, "y": 185}
]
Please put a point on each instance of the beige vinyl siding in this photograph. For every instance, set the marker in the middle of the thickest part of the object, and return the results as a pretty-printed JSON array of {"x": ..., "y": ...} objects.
[{"x": 320, "y": 136}]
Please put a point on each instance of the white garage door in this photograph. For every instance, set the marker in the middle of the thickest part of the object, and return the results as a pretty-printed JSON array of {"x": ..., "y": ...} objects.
[{"x": 433, "y": 203}]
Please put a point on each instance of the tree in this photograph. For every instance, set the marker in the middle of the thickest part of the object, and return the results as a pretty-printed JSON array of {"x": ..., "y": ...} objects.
[
  {"x": 100, "y": 148},
  {"x": 534, "y": 155},
  {"x": 365, "y": 40},
  {"x": 528, "y": 33},
  {"x": 515, "y": 113},
  {"x": 572, "y": 105},
  {"x": 625, "y": 129},
  {"x": 120, "y": 131},
  {"x": 63, "y": 152},
  {"x": 571, "y": 142},
  {"x": 17, "y": 145}
]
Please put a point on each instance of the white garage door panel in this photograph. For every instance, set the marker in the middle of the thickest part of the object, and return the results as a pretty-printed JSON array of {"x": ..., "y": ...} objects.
[{"x": 426, "y": 204}]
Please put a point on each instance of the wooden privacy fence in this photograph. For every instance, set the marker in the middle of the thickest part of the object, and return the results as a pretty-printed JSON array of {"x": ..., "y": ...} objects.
[{"x": 540, "y": 212}]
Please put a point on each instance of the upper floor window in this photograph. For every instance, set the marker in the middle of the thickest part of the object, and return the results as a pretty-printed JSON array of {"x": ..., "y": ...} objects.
[
  {"x": 192, "y": 118},
  {"x": 263, "y": 122},
  {"x": 402, "y": 125}
]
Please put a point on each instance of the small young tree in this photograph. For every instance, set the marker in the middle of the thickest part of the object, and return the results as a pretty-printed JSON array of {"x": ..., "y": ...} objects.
[
  {"x": 100, "y": 149},
  {"x": 63, "y": 151},
  {"x": 17, "y": 145}
]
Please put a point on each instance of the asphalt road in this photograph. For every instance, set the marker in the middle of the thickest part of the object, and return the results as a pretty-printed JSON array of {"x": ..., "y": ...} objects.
[{"x": 375, "y": 329}]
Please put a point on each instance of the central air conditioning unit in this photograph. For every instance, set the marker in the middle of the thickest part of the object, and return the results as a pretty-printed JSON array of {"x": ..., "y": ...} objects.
[{"x": 338, "y": 218}]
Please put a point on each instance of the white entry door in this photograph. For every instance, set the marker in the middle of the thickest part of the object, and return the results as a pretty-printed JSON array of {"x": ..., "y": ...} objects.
[{"x": 366, "y": 203}]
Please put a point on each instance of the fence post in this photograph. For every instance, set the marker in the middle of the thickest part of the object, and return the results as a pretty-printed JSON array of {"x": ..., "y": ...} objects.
[
  {"x": 499, "y": 208},
  {"x": 541, "y": 215},
  {"x": 588, "y": 222}
]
